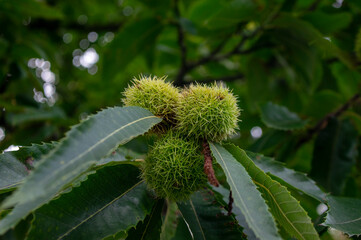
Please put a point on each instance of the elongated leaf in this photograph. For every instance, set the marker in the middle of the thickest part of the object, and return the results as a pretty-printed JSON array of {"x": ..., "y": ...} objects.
[
  {"x": 328, "y": 23},
  {"x": 132, "y": 40},
  {"x": 245, "y": 194},
  {"x": 344, "y": 214},
  {"x": 32, "y": 115},
  {"x": 222, "y": 195},
  {"x": 207, "y": 220},
  {"x": 297, "y": 180},
  {"x": 169, "y": 226},
  {"x": 86, "y": 143},
  {"x": 14, "y": 166},
  {"x": 112, "y": 200},
  {"x": 334, "y": 155},
  {"x": 279, "y": 117},
  {"x": 217, "y": 14},
  {"x": 150, "y": 228},
  {"x": 182, "y": 232},
  {"x": 285, "y": 208}
]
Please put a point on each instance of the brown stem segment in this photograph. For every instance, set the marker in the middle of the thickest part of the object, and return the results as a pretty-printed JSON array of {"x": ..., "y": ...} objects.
[
  {"x": 208, "y": 167},
  {"x": 230, "y": 203}
]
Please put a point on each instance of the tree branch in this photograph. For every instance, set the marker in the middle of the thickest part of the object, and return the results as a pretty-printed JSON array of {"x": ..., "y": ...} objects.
[
  {"x": 179, "y": 80},
  {"x": 55, "y": 25},
  {"x": 324, "y": 121},
  {"x": 208, "y": 167},
  {"x": 224, "y": 79}
]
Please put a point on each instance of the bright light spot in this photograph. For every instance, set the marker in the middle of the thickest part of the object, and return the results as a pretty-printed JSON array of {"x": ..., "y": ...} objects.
[
  {"x": 92, "y": 36},
  {"x": 127, "y": 11},
  {"x": 76, "y": 61},
  {"x": 89, "y": 58},
  {"x": 2, "y": 134},
  {"x": 84, "y": 44},
  {"x": 12, "y": 148},
  {"x": 321, "y": 208},
  {"x": 256, "y": 132},
  {"x": 82, "y": 19},
  {"x": 42, "y": 71},
  {"x": 337, "y": 4},
  {"x": 46, "y": 65},
  {"x": 108, "y": 37},
  {"x": 327, "y": 38},
  {"x": 93, "y": 70},
  {"x": 48, "y": 76},
  {"x": 39, "y": 62},
  {"x": 39, "y": 96},
  {"x": 31, "y": 63},
  {"x": 67, "y": 38},
  {"x": 49, "y": 90}
]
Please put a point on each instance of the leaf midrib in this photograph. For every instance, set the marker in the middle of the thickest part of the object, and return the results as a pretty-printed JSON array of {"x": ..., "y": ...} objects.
[
  {"x": 274, "y": 200},
  {"x": 226, "y": 168},
  {"x": 99, "y": 142},
  {"x": 101, "y": 209}
]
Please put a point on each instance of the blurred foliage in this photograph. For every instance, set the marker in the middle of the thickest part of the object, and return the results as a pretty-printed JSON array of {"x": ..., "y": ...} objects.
[{"x": 63, "y": 60}]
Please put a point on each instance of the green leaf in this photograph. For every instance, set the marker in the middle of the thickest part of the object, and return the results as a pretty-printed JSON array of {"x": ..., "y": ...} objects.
[
  {"x": 245, "y": 194},
  {"x": 30, "y": 8},
  {"x": 215, "y": 14},
  {"x": 344, "y": 214},
  {"x": 112, "y": 200},
  {"x": 132, "y": 40},
  {"x": 14, "y": 165},
  {"x": 328, "y": 23},
  {"x": 32, "y": 115},
  {"x": 120, "y": 156},
  {"x": 285, "y": 208},
  {"x": 83, "y": 145},
  {"x": 169, "y": 226},
  {"x": 182, "y": 232},
  {"x": 222, "y": 196},
  {"x": 348, "y": 80},
  {"x": 335, "y": 153},
  {"x": 305, "y": 32},
  {"x": 279, "y": 117},
  {"x": 297, "y": 180},
  {"x": 150, "y": 228},
  {"x": 206, "y": 220}
]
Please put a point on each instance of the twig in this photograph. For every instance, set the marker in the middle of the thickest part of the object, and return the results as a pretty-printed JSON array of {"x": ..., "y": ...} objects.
[
  {"x": 230, "y": 203},
  {"x": 55, "y": 25},
  {"x": 314, "y": 5},
  {"x": 210, "y": 56},
  {"x": 208, "y": 167},
  {"x": 324, "y": 121},
  {"x": 183, "y": 49},
  {"x": 225, "y": 79}
]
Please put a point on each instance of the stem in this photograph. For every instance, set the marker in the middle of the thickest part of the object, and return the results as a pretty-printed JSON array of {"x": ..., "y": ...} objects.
[
  {"x": 208, "y": 167},
  {"x": 230, "y": 203},
  {"x": 324, "y": 121}
]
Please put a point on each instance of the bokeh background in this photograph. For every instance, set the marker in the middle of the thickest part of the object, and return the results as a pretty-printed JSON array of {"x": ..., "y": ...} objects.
[{"x": 294, "y": 65}]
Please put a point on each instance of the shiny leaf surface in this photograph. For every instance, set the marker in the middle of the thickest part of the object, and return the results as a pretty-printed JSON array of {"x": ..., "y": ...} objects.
[
  {"x": 245, "y": 194},
  {"x": 83, "y": 145},
  {"x": 113, "y": 199}
]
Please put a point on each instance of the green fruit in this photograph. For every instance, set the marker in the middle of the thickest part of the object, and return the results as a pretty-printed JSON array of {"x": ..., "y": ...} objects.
[
  {"x": 155, "y": 95},
  {"x": 174, "y": 167},
  {"x": 207, "y": 112}
]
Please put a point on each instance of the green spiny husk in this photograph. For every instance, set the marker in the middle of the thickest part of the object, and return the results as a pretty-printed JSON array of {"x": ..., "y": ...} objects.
[
  {"x": 174, "y": 167},
  {"x": 207, "y": 112},
  {"x": 157, "y": 96}
]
